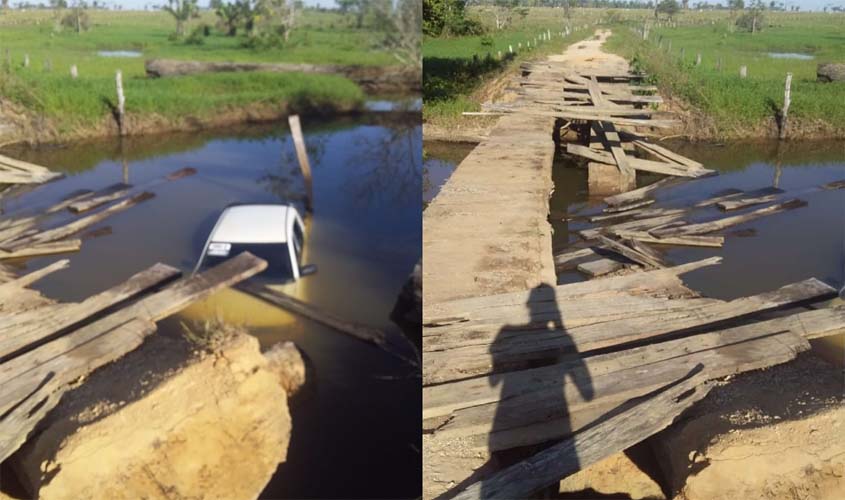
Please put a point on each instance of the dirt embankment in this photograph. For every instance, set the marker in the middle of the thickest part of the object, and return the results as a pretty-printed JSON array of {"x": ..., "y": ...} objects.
[
  {"x": 169, "y": 420},
  {"x": 20, "y": 125}
]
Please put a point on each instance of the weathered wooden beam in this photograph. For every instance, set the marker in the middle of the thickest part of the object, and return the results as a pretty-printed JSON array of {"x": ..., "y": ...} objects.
[
  {"x": 621, "y": 431},
  {"x": 486, "y": 350},
  {"x": 52, "y": 248},
  {"x": 719, "y": 224},
  {"x": 18, "y": 335},
  {"x": 21, "y": 375}
]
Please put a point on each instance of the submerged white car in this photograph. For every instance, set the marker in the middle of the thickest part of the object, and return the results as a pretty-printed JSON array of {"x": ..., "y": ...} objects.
[{"x": 274, "y": 233}]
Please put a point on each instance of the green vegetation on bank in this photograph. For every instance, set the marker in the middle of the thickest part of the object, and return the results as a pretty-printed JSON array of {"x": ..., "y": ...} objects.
[
  {"x": 46, "y": 87},
  {"x": 456, "y": 67},
  {"x": 737, "y": 105}
]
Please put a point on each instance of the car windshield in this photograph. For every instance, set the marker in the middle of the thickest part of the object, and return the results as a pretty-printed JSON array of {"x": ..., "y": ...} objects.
[{"x": 276, "y": 254}]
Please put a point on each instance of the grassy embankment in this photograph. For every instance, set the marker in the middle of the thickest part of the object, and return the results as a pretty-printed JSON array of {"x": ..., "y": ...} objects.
[
  {"x": 457, "y": 70},
  {"x": 728, "y": 107},
  {"x": 74, "y": 106}
]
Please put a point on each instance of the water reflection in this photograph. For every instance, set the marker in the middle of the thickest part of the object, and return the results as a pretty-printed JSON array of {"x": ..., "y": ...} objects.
[
  {"x": 364, "y": 234},
  {"x": 788, "y": 247}
]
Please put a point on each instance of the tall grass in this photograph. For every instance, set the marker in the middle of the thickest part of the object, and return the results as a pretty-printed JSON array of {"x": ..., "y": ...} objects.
[
  {"x": 320, "y": 38},
  {"x": 715, "y": 86},
  {"x": 454, "y": 68}
]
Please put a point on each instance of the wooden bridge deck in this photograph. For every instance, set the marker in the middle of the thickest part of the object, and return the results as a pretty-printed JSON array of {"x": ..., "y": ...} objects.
[{"x": 487, "y": 231}]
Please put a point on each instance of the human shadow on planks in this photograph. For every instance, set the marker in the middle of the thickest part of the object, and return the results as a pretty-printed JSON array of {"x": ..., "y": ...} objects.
[{"x": 543, "y": 316}]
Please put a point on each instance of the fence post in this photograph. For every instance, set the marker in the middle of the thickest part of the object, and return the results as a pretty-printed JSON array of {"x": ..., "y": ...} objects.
[
  {"x": 698, "y": 59},
  {"x": 26, "y": 60},
  {"x": 74, "y": 72},
  {"x": 302, "y": 156},
  {"x": 121, "y": 101},
  {"x": 743, "y": 71},
  {"x": 787, "y": 94}
]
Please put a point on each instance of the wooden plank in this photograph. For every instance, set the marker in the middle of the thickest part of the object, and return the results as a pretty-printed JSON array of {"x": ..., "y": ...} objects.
[
  {"x": 652, "y": 282},
  {"x": 634, "y": 225},
  {"x": 635, "y": 195},
  {"x": 52, "y": 248},
  {"x": 48, "y": 380},
  {"x": 729, "y": 205},
  {"x": 617, "y": 377},
  {"x": 18, "y": 375},
  {"x": 120, "y": 190},
  {"x": 26, "y": 166},
  {"x": 689, "y": 241},
  {"x": 571, "y": 259},
  {"x": 373, "y": 336},
  {"x": 487, "y": 352},
  {"x": 16, "y": 337},
  {"x": 600, "y": 267},
  {"x": 608, "y": 135},
  {"x": 77, "y": 225},
  {"x": 30, "y": 278},
  {"x": 621, "y": 431},
  {"x": 636, "y": 163},
  {"x": 479, "y": 327},
  {"x": 719, "y": 224},
  {"x": 646, "y": 250},
  {"x": 629, "y": 253},
  {"x": 633, "y": 122},
  {"x": 666, "y": 154},
  {"x": 630, "y": 206},
  {"x": 100, "y": 198}
]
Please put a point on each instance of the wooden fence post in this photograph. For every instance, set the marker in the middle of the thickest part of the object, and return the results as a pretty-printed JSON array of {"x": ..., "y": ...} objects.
[
  {"x": 302, "y": 156},
  {"x": 698, "y": 59},
  {"x": 26, "y": 60},
  {"x": 74, "y": 72},
  {"x": 787, "y": 94},
  {"x": 121, "y": 101},
  {"x": 743, "y": 71}
]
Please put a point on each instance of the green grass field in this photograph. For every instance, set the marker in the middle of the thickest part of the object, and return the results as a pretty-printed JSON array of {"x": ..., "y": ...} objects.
[
  {"x": 454, "y": 68},
  {"x": 738, "y": 105},
  {"x": 320, "y": 38}
]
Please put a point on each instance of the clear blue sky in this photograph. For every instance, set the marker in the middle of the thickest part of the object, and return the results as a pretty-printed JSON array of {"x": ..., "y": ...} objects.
[{"x": 139, "y": 4}]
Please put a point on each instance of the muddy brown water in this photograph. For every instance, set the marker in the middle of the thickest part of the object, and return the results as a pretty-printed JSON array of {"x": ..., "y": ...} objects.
[
  {"x": 757, "y": 256},
  {"x": 356, "y": 426}
]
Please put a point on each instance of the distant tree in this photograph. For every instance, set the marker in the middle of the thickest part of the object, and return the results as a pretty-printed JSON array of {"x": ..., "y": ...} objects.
[
  {"x": 182, "y": 11},
  {"x": 752, "y": 20},
  {"x": 668, "y": 7},
  {"x": 404, "y": 30},
  {"x": 229, "y": 16},
  {"x": 77, "y": 19},
  {"x": 5, "y": 5}
]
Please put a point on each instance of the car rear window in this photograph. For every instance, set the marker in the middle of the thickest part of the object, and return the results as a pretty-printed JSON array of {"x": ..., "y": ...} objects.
[{"x": 277, "y": 256}]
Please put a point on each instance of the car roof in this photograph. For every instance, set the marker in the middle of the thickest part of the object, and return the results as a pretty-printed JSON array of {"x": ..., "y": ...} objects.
[{"x": 253, "y": 224}]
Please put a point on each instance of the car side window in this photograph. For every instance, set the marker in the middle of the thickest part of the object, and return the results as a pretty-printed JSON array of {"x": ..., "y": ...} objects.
[{"x": 298, "y": 239}]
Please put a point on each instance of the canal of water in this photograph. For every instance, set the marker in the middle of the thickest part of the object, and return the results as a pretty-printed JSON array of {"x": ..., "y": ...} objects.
[{"x": 356, "y": 428}]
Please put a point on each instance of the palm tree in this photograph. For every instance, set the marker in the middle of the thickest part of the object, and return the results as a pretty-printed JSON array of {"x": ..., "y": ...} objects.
[{"x": 182, "y": 11}]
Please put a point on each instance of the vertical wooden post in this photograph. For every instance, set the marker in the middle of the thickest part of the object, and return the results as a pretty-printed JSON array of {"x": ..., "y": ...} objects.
[
  {"x": 302, "y": 156},
  {"x": 510, "y": 49},
  {"x": 26, "y": 60},
  {"x": 121, "y": 101},
  {"x": 743, "y": 71},
  {"x": 683, "y": 52},
  {"x": 787, "y": 94},
  {"x": 74, "y": 72},
  {"x": 698, "y": 59}
]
